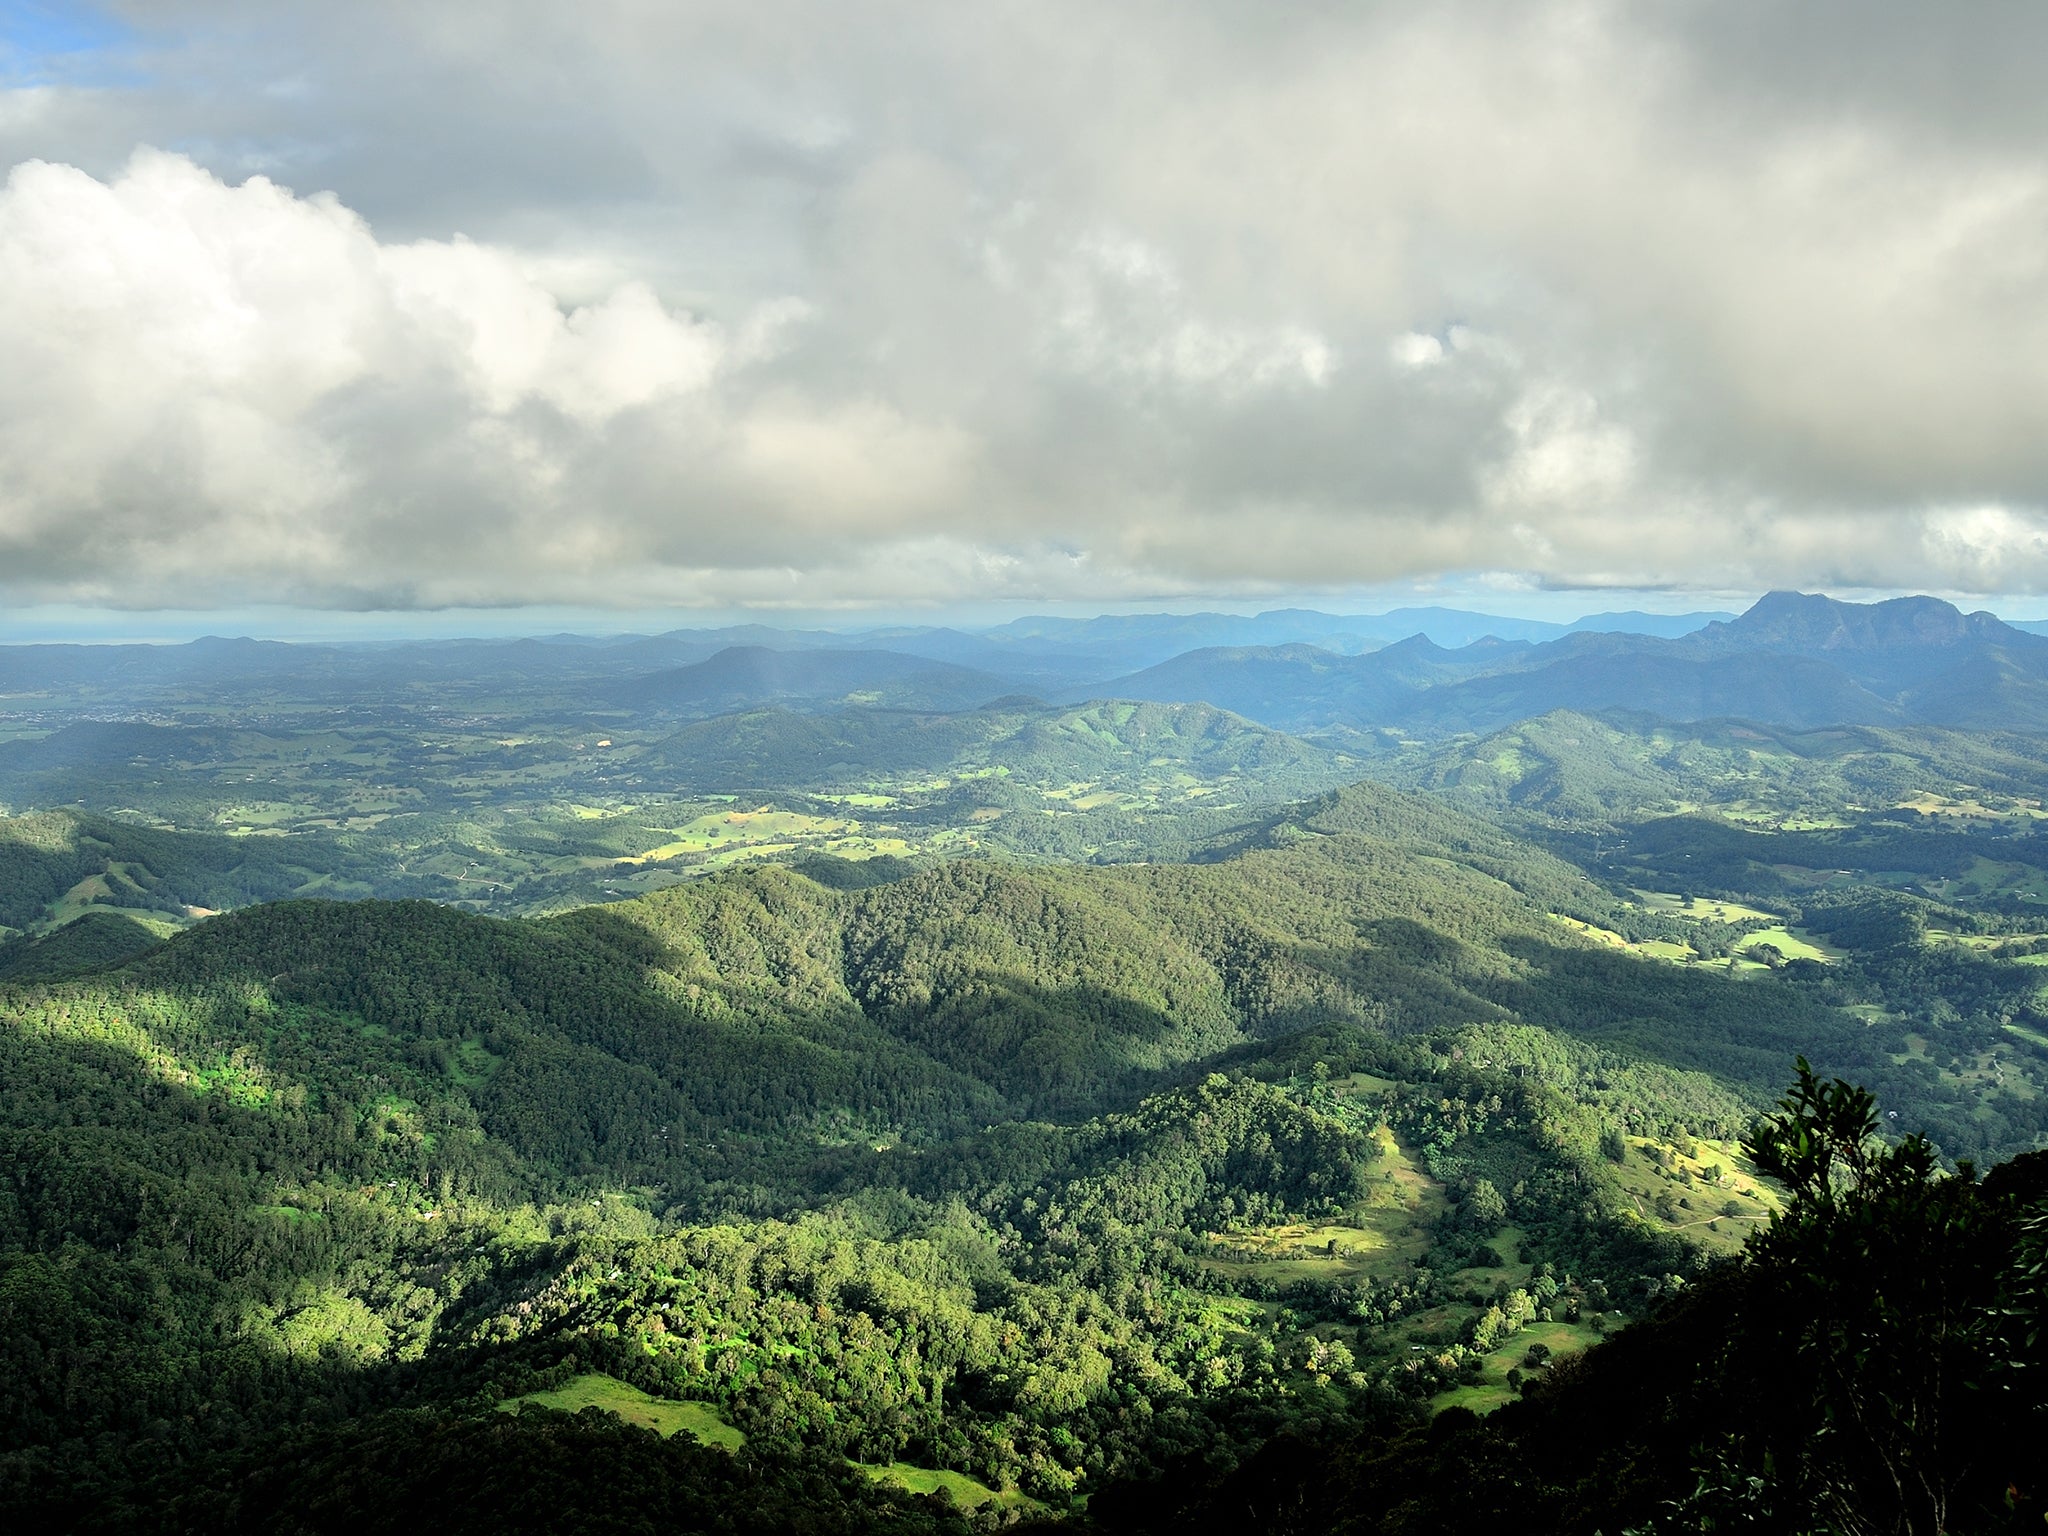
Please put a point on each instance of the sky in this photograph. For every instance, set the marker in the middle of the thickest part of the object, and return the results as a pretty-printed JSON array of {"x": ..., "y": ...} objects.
[{"x": 428, "y": 315}]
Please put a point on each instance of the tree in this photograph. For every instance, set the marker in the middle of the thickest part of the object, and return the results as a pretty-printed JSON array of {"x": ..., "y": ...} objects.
[
  {"x": 1484, "y": 1207},
  {"x": 1881, "y": 1350}
]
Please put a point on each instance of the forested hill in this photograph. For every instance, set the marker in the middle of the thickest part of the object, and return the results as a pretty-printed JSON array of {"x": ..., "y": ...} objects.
[
  {"x": 673, "y": 1040},
  {"x": 615, "y": 1042},
  {"x": 1085, "y": 743},
  {"x": 1621, "y": 765},
  {"x": 1052, "y": 1179}
]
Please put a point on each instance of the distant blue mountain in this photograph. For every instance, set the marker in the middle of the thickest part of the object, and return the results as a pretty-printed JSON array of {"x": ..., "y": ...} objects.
[{"x": 1793, "y": 659}]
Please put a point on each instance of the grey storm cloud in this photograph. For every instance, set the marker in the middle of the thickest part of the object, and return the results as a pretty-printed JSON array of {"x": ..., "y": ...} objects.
[{"x": 391, "y": 305}]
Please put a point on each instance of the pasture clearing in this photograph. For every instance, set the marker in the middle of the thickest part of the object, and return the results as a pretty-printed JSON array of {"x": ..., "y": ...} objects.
[
  {"x": 1689, "y": 1190},
  {"x": 1670, "y": 951},
  {"x": 2032, "y": 1037},
  {"x": 1792, "y": 943},
  {"x": 726, "y": 831},
  {"x": 1492, "y": 1389},
  {"x": 966, "y": 1492},
  {"x": 1702, "y": 908},
  {"x": 1363, "y": 1085},
  {"x": 110, "y": 893},
  {"x": 1765, "y": 816},
  {"x": 594, "y": 1389},
  {"x": 1386, "y": 1233},
  {"x": 1971, "y": 808}
]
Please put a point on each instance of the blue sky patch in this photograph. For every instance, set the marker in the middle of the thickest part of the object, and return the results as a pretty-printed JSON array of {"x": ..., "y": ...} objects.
[{"x": 48, "y": 44}]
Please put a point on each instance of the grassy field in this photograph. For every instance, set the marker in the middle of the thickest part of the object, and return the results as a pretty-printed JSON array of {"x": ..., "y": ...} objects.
[
  {"x": 1688, "y": 1189},
  {"x": 1363, "y": 1085},
  {"x": 1492, "y": 1389},
  {"x": 966, "y": 1492},
  {"x": 1761, "y": 817},
  {"x": 1971, "y": 809},
  {"x": 1791, "y": 943},
  {"x": 1701, "y": 908},
  {"x": 1386, "y": 1233},
  {"x": 665, "y": 1418},
  {"x": 1450, "y": 1320},
  {"x": 103, "y": 893},
  {"x": 735, "y": 832},
  {"x": 1668, "y": 950}
]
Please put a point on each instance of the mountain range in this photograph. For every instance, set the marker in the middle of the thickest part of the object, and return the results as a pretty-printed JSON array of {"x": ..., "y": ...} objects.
[
  {"x": 1033, "y": 655},
  {"x": 1793, "y": 660}
]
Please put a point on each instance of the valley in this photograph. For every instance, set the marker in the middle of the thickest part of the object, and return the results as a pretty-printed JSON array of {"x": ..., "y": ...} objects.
[
  {"x": 1017, "y": 1113},
  {"x": 550, "y": 819}
]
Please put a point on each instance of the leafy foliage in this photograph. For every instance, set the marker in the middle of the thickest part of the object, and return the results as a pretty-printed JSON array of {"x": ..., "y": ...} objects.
[
  {"x": 1871, "y": 1364},
  {"x": 942, "y": 1168}
]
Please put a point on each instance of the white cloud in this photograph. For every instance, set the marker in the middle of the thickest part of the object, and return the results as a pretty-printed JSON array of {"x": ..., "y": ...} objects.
[
  {"x": 1412, "y": 350},
  {"x": 1562, "y": 457},
  {"x": 479, "y": 310},
  {"x": 224, "y": 387},
  {"x": 1125, "y": 314},
  {"x": 766, "y": 298},
  {"x": 1990, "y": 548}
]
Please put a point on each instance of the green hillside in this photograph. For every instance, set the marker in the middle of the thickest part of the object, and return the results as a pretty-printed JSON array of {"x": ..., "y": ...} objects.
[
  {"x": 776, "y": 747},
  {"x": 1057, "y": 1179},
  {"x": 525, "y": 813},
  {"x": 55, "y": 865},
  {"x": 758, "y": 999},
  {"x": 1578, "y": 767}
]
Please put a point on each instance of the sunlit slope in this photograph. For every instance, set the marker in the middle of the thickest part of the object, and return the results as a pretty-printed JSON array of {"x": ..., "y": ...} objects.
[
  {"x": 659, "y": 1040},
  {"x": 1580, "y": 767},
  {"x": 977, "y": 1146},
  {"x": 59, "y": 863},
  {"x": 1089, "y": 742}
]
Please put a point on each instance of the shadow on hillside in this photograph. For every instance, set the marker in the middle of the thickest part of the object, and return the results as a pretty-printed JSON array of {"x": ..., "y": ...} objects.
[
  {"x": 90, "y": 941},
  {"x": 1405, "y": 979},
  {"x": 140, "y": 1253},
  {"x": 1026, "y": 1048},
  {"x": 158, "y": 1369},
  {"x": 578, "y": 1045},
  {"x": 1744, "y": 1030},
  {"x": 1058, "y": 1052}
]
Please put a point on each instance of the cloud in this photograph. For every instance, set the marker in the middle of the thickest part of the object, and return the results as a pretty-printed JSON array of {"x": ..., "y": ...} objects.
[
  {"x": 1413, "y": 350},
  {"x": 221, "y": 388},
  {"x": 790, "y": 303},
  {"x": 1122, "y": 316}
]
